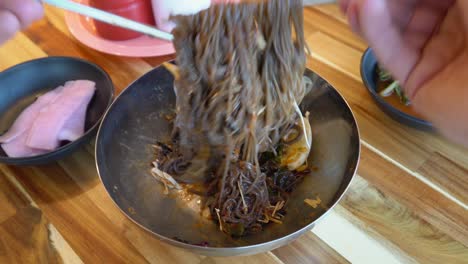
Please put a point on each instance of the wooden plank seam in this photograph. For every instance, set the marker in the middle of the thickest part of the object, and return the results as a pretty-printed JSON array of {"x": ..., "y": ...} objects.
[{"x": 416, "y": 175}]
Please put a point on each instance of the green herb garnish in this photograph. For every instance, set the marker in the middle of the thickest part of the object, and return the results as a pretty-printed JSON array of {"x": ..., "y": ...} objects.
[
  {"x": 384, "y": 75},
  {"x": 394, "y": 86},
  {"x": 401, "y": 94}
]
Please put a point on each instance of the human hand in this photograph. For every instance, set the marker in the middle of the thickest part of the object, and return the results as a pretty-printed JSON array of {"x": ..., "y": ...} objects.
[
  {"x": 164, "y": 9},
  {"x": 423, "y": 43},
  {"x": 16, "y": 15}
]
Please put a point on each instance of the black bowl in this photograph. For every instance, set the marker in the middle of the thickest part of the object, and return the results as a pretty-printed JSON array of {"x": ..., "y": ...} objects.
[
  {"x": 369, "y": 76},
  {"x": 21, "y": 84}
]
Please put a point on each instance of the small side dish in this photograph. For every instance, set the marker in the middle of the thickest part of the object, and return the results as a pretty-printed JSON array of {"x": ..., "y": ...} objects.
[
  {"x": 392, "y": 92},
  {"x": 55, "y": 118}
]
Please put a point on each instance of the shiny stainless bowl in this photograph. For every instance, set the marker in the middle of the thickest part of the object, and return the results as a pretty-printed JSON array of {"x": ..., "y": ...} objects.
[{"x": 124, "y": 154}]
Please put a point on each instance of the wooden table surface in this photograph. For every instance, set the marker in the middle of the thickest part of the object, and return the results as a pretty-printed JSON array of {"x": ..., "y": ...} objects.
[{"x": 407, "y": 204}]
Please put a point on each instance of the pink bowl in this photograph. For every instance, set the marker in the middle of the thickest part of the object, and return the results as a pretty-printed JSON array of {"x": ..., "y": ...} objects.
[{"x": 83, "y": 29}]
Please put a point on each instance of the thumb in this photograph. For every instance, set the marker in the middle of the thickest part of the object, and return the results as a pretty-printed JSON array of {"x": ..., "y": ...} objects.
[
  {"x": 463, "y": 7},
  {"x": 372, "y": 19}
]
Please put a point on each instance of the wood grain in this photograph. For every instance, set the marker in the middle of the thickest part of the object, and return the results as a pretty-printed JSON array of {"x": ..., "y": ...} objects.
[
  {"x": 422, "y": 241},
  {"x": 408, "y": 202},
  {"x": 318, "y": 21},
  {"x": 309, "y": 249},
  {"x": 448, "y": 174},
  {"x": 424, "y": 201},
  {"x": 10, "y": 199},
  {"x": 18, "y": 50},
  {"x": 98, "y": 238},
  {"x": 27, "y": 236},
  {"x": 259, "y": 259}
]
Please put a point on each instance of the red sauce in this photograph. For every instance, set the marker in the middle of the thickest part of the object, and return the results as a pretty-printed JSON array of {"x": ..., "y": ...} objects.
[{"x": 137, "y": 10}]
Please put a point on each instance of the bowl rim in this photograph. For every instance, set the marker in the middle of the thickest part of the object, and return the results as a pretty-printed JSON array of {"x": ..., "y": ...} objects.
[
  {"x": 240, "y": 250},
  {"x": 412, "y": 120},
  {"x": 88, "y": 132}
]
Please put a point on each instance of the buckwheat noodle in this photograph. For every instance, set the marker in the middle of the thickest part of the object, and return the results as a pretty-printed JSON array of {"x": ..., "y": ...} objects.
[{"x": 241, "y": 78}]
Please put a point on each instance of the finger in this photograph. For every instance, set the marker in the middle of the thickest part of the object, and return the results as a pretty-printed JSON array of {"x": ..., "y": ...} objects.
[
  {"x": 425, "y": 19},
  {"x": 9, "y": 25},
  {"x": 26, "y": 11},
  {"x": 353, "y": 17},
  {"x": 376, "y": 24},
  {"x": 444, "y": 4},
  {"x": 423, "y": 24},
  {"x": 448, "y": 42},
  {"x": 401, "y": 12},
  {"x": 416, "y": 40},
  {"x": 463, "y": 6},
  {"x": 425, "y": 16},
  {"x": 344, "y": 5},
  {"x": 404, "y": 11}
]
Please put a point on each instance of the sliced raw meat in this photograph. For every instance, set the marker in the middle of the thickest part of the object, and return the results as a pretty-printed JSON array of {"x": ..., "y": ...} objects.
[
  {"x": 74, "y": 127},
  {"x": 17, "y": 148},
  {"x": 48, "y": 125},
  {"x": 29, "y": 114}
]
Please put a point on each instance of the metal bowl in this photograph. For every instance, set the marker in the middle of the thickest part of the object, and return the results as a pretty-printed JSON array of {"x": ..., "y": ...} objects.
[
  {"x": 21, "y": 84},
  {"x": 124, "y": 154}
]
